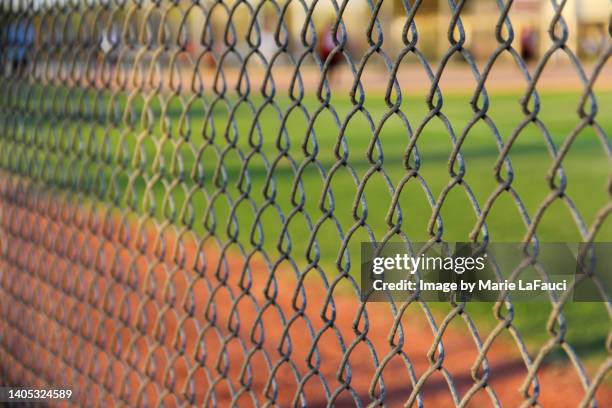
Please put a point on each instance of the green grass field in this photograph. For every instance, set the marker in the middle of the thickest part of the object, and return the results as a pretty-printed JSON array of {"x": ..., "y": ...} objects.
[
  {"x": 222, "y": 146},
  {"x": 224, "y": 161},
  {"x": 586, "y": 166}
]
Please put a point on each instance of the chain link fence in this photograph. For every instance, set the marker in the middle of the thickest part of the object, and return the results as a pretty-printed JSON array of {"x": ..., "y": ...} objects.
[{"x": 185, "y": 184}]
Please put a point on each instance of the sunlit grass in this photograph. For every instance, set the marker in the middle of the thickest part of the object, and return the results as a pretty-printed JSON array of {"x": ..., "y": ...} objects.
[{"x": 307, "y": 174}]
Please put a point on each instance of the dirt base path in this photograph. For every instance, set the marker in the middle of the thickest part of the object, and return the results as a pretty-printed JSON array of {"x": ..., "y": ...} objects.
[{"x": 123, "y": 315}]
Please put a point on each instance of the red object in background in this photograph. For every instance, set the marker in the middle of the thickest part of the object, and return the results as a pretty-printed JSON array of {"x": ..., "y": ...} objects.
[{"x": 326, "y": 46}]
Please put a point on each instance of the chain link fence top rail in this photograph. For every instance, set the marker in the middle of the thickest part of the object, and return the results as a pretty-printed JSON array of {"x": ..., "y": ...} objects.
[{"x": 185, "y": 184}]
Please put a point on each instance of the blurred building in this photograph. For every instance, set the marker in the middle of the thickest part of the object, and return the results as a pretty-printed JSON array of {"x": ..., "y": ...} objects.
[{"x": 587, "y": 22}]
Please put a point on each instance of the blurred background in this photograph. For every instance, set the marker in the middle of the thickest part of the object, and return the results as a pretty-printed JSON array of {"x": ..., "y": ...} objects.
[{"x": 267, "y": 140}]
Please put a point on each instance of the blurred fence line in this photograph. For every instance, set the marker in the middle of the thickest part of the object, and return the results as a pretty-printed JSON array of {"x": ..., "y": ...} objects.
[{"x": 160, "y": 245}]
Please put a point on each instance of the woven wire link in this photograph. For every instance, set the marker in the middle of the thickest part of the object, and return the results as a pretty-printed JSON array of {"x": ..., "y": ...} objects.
[{"x": 144, "y": 162}]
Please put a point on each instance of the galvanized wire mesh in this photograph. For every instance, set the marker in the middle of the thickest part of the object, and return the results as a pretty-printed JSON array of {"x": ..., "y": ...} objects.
[{"x": 173, "y": 230}]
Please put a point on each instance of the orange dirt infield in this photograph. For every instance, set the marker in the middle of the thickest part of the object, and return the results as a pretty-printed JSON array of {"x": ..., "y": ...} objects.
[{"x": 124, "y": 317}]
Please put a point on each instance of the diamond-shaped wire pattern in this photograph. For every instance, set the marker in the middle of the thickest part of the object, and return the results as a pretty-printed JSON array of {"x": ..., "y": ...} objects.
[{"x": 185, "y": 184}]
